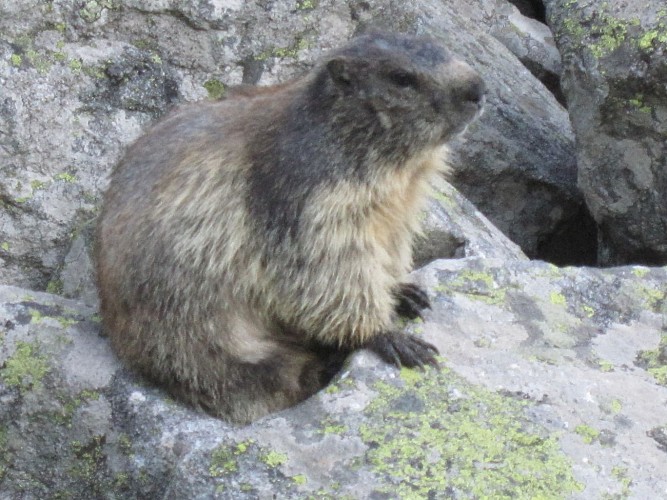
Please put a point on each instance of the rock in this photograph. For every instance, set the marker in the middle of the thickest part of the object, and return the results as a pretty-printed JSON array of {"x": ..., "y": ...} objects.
[
  {"x": 528, "y": 38},
  {"x": 454, "y": 228},
  {"x": 81, "y": 80},
  {"x": 614, "y": 80},
  {"x": 538, "y": 392}
]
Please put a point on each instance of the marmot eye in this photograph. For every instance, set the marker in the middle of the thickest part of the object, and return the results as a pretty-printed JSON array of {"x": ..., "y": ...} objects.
[{"x": 403, "y": 78}]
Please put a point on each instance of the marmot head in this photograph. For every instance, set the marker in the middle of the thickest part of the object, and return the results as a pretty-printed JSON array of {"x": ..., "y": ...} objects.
[{"x": 410, "y": 86}]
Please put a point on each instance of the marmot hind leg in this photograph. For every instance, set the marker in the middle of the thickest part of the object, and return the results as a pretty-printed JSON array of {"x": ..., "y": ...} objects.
[{"x": 249, "y": 391}]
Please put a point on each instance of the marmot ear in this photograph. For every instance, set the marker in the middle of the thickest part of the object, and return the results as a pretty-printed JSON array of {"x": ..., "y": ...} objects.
[{"x": 339, "y": 70}]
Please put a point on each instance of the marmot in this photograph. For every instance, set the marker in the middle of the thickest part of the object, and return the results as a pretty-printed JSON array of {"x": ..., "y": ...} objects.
[{"x": 246, "y": 246}]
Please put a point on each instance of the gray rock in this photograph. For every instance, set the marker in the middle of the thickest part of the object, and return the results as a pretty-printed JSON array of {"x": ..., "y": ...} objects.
[
  {"x": 614, "y": 79},
  {"x": 538, "y": 393},
  {"x": 530, "y": 40},
  {"x": 454, "y": 228},
  {"x": 81, "y": 80}
]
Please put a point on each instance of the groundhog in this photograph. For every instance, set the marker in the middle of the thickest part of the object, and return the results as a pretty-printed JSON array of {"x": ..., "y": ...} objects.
[{"x": 246, "y": 246}]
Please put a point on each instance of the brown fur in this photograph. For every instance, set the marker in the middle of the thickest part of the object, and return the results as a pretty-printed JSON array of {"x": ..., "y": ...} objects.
[{"x": 246, "y": 246}]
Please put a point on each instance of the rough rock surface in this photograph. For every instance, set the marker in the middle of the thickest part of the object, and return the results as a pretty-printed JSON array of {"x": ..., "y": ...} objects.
[
  {"x": 452, "y": 227},
  {"x": 549, "y": 388},
  {"x": 81, "y": 80},
  {"x": 529, "y": 39},
  {"x": 615, "y": 68}
]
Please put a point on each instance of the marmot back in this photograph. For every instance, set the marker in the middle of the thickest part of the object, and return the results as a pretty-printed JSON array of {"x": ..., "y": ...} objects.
[{"x": 245, "y": 247}]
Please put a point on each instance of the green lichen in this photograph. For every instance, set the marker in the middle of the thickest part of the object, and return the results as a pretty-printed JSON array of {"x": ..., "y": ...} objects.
[
  {"x": 306, "y": 4},
  {"x": 124, "y": 444},
  {"x": 242, "y": 447},
  {"x": 66, "y": 322},
  {"x": 121, "y": 480},
  {"x": 588, "y": 311},
  {"x": 5, "y": 246},
  {"x": 92, "y": 10},
  {"x": 588, "y": 433},
  {"x": 55, "y": 286},
  {"x": 610, "y": 34},
  {"x": 224, "y": 458},
  {"x": 655, "y": 361},
  {"x": 622, "y": 476},
  {"x": 444, "y": 200},
  {"x": 482, "y": 343},
  {"x": 638, "y": 103},
  {"x": 37, "y": 185},
  {"x": 89, "y": 395},
  {"x": 331, "y": 427},
  {"x": 69, "y": 404},
  {"x": 76, "y": 65},
  {"x": 557, "y": 299},
  {"x": 35, "y": 316},
  {"x": 215, "y": 88},
  {"x": 640, "y": 272},
  {"x": 4, "y": 455},
  {"x": 659, "y": 374},
  {"x": 300, "y": 479},
  {"x": 25, "y": 369},
  {"x": 423, "y": 442},
  {"x": 90, "y": 458},
  {"x": 273, "y": 459},
  {"x": 574, "y": 29},
  {"x": 340, "y": 385},
  {"x": 479, "y": 286},
  {"x": 97, "y": 72},
  {"x": 145, "y": 44},
  {"x": 65, "y": 177},
  {"x": 332, "y": 389},
  {"x": 602, "y": 33},
  {"x": 291, "y": 51},
  {"x": 653, "y": 297},
  {"x": 648, "y": 40},
  {"x": 41, "y": 61},
  {"x": 605, "y": 366},
  {"x": 223, "y": 461},
  {"x": 616, "y": 406},
  {"x": 246, "y": 487},
  {"x": 60, "y": 56}
]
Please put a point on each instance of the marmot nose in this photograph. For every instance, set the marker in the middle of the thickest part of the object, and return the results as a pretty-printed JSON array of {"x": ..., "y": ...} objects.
[{"x": 474, "y": 91}]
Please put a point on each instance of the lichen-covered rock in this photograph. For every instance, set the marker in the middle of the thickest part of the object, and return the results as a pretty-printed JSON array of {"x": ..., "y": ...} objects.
[
  {"x": 81, "y": 80},
  {"x": 552, "y": 385},
  {"x": 56, "y": 434},
  {"x": 615, "y": 68}
]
